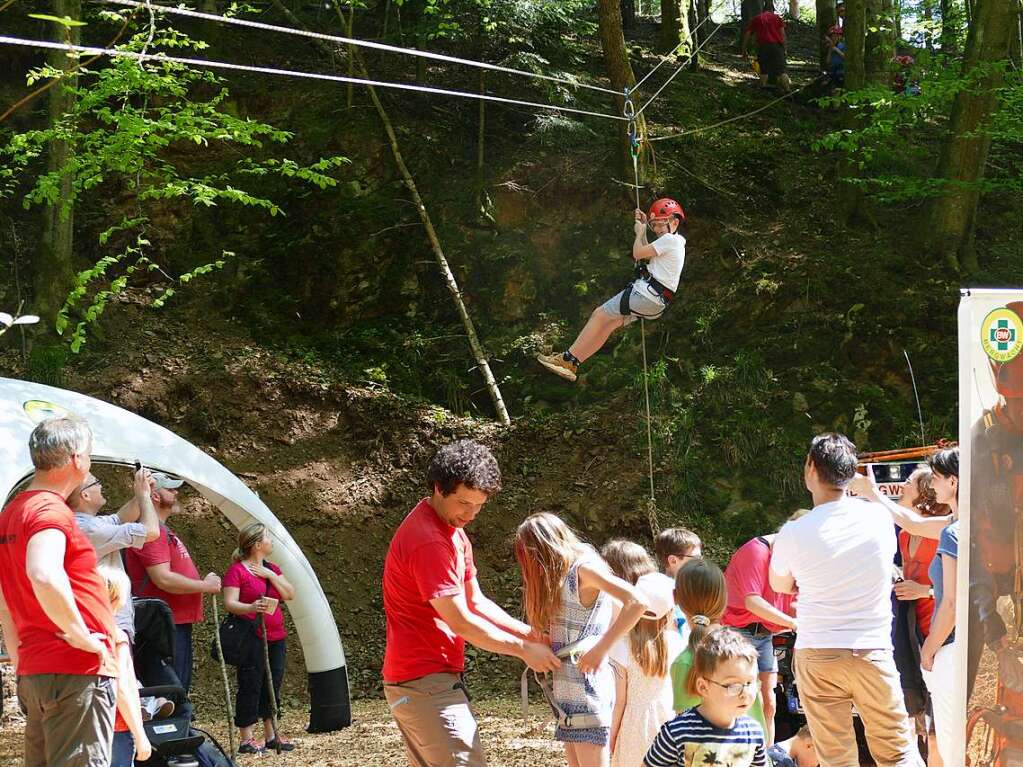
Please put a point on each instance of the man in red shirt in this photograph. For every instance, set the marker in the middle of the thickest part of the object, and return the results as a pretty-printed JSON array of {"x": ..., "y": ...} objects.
[
  {"x": 54, "y": 608},
  {"x": 770, "y": 33},
  {"x": 164, "y": 569},
  {"x": 433, "y": 604},
  {"x": 759, "y": 613}
]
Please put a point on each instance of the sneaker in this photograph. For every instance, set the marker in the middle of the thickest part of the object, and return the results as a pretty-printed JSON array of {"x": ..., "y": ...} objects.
[
  {"x": 279, "y": 745},
  {"x": 558, "y": 365},
  {"x": 156, "y": 708},
  {"x": 250, "y": 746}
]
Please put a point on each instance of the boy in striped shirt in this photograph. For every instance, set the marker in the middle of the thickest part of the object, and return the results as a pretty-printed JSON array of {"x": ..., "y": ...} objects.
[{"x": 718, "y": 731}]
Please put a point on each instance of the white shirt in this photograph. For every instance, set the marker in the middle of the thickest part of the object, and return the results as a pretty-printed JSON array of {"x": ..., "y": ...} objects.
[
  {"x": 108, "y": 535},
  {"x": 841, "y": 555},
  {"x": 666, "y": 266}
]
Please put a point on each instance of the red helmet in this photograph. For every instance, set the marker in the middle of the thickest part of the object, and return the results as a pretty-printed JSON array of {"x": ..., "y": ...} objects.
[
  {"x": 1009, "y": 375},
  {"x": 666, "y": 208},
  {"x": 836, "y": 31}
]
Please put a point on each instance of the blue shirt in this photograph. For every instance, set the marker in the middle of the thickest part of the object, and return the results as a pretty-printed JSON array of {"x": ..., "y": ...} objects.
[
  {"x": 947, "y": 544},
  {"x": 689, "y": 740}
]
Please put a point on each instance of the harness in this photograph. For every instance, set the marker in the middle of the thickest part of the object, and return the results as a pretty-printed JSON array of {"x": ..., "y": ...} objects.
[{"x": 643, "y": 274}]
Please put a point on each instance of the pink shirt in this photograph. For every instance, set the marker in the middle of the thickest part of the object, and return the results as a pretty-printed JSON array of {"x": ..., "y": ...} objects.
[
  {"x": 250, "y": 588},
  {"x": 748, "y": 573}
]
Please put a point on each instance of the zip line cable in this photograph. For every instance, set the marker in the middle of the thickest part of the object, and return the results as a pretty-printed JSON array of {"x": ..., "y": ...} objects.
[
  {"x": 682, "y": 66},
  {"x": 358, "y": 43},
  {"x": 115, "y": 53},
  {"x": 668, "y": 55}
]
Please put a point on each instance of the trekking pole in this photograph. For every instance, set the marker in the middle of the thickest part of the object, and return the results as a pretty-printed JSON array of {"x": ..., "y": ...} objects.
[
  {"x": 223, "y": 674},
  {"x": 272, "y": 695}
]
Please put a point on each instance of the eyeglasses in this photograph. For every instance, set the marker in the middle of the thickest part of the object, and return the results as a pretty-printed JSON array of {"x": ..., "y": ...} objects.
[
  {"x": 736, "y": 689},
  {"x": 91, "y": 484}
]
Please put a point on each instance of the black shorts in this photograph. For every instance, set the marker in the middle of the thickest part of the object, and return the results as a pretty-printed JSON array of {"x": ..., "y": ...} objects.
[{"x": 771, "y": 57}]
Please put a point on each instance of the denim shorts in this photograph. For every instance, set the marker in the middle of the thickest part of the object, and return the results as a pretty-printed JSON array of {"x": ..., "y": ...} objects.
[{"x": 767, "y": 663}]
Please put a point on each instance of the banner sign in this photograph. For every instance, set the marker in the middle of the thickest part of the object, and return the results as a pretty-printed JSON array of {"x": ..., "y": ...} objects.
[{"x": 989, "y": 663}]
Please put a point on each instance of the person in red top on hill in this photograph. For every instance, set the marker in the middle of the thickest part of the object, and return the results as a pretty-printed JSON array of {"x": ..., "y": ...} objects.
[
  {"x": 433, "y": 604},
  {"x": 54, "y": 610},
  {"x": 758, "y": 613},
  {"x": 164, "y": 569},
  {"x": 254, "y": 585},
  {"x": 769, "y": 30}
]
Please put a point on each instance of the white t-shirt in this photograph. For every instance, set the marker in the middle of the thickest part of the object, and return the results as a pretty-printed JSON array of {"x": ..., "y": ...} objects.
[
  {"x": 841, "y": 555},
  {"x": 666, "y": 266}
]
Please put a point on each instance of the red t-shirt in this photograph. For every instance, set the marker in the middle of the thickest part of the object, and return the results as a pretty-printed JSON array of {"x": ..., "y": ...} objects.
[
  {"x": 427, "y": 559},
  {"x": 250, "y": 588},
  {"x": 187, "y": 608},
  {"x": 915, "y": 569},
  {"x": 768, "y": 28},
  {"x": 747, "y": 573},
  {"x": 40, "y": 649}
]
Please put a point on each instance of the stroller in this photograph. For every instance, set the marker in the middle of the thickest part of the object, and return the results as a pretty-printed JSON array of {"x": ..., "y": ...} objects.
[{"x": 176, "y": 743}]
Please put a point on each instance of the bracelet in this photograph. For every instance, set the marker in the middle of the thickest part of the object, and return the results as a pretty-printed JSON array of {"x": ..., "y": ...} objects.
[{"x": 930, "y": 592}]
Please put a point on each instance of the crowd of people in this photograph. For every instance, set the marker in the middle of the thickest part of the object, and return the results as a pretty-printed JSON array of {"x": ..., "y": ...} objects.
[
  {"x": 68, "y": 575},
  {"x": 665, "y": 659}
]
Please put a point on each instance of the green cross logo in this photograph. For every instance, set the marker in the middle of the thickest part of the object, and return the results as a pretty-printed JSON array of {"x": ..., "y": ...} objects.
[{"x": 1002, "y": 335}]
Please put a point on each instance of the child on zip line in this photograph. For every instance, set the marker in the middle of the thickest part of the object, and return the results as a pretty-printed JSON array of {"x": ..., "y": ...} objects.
[{"x": 659, "y": 266}]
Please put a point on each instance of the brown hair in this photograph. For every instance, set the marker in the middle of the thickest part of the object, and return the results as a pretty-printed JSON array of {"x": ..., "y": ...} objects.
[
  {"x": 630, "y": 561},
  {"x": 719, "y": 645},
  {"x": 926, "y": 500},
  {"x": 250, "y": 535},
  {"x": 701, "y": 593},
  {"x": 545, "y": 548},
  {"x": 675, "y": 541}
]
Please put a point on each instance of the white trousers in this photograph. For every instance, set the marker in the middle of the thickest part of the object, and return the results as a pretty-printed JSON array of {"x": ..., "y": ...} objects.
[{"x": 941, "y": 684}]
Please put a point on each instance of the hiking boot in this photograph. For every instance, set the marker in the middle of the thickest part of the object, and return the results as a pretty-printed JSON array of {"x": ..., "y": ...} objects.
[
  {"x": 250, "y": 746},
  {"x": 279, "y": 745},
  {"x": 558, "y": 365}
]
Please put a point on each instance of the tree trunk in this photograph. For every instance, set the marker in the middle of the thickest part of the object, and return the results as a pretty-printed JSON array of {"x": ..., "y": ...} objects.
[
  {"x": 964, "y": 153},
  {"x": 694, "y": 40},
  {"x": 1016, "y": 41},
  {"x": 794, "y": 9},
  {"x": 826, "y": 19},
  {"x": 449, "y": 278},
  {"x": 54, "y": 272},
  {"x": 628, "y": 8},
  {"x": 855, "y": 44},
  {"x": 879, "y": 41},
  {"x": 927, "y": 12},
  {"x": 619, "y": 70},
  {"x": 748, "y": 10},
  {"x": 952, "y": 18},
  {"x": 674, "y": 26}
]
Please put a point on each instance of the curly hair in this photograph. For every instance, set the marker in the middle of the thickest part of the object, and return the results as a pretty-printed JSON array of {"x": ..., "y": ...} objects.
[
  {"x": 834, "y": 457},
  {"x": 465, "y": 462}
]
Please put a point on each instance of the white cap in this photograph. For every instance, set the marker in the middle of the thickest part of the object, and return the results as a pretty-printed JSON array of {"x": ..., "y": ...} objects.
[
  {"x": 659, "y": 591},
  {"x": 166, "y": 481}
]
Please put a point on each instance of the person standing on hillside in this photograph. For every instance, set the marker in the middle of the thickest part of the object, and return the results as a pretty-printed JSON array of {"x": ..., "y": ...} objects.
[
  {"x": 769, "y": 29},
  {"x": 57, "y": 622},
  {"x": 659, "y": 268},
  {"x": 840, "y": 556},
  {"x": 433, "y": 604},
  {"x": 164, "y": 569}
]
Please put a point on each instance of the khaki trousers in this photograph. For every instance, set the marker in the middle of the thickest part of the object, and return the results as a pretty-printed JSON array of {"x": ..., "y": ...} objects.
[
  {"x": 831, "y": 682},
  {"x": 70, "y": 719},
  {"x": 435, "y": 721}
]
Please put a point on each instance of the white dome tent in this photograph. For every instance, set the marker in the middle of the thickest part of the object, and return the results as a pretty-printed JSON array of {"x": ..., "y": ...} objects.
[{"x": 121, "y": 438}]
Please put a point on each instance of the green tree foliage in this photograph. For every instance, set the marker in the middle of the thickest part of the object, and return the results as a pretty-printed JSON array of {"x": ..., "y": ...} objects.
[{"x": 128, "y": 134}]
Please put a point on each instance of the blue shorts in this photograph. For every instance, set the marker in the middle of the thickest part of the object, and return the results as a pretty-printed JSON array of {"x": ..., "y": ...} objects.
[{"x": 767, "y": 663}]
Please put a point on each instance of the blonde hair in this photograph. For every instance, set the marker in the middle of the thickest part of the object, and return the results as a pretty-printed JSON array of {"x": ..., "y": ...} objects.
[
  {"x": 720, "y": 645},
  {"x": 248, "y": 537},
  {"x": 118, "y": 585},
  {"x": 701, "y": 593},
  {"x": 545, "y": 548},
  {"x": 630, "y": 561}
]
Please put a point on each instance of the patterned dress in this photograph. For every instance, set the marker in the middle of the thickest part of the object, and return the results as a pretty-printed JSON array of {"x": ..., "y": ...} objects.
[{"x": 575, "y": 692}]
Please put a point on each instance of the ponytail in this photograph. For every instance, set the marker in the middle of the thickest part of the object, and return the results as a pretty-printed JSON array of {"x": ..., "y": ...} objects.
[
  {"x": 701, "y": 593},
  {"x": 248, "y": 537}
]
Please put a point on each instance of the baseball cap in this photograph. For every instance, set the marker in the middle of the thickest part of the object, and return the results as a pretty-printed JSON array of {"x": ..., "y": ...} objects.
[
  {"x": 659, "y": 591},
  {"x": 166, "y": 481}
]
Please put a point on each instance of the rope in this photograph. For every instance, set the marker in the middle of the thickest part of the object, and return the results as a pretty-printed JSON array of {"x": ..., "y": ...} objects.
[
  {"x": 116, "y": 53},
  {"x": 635, "y": 142},
  {"x": 758, "y": 110},
  {"x": 672, "y": 52},
  {"x": 359, "y": 43},
  {"x": 223, "y": 674}
]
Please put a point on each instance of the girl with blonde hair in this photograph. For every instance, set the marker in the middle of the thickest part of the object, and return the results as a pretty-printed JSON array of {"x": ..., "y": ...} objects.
[
  {"x": 702, "y": 595},
  {"x": 567, "y": 592},
  {"x": 641, "y": 660}
]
